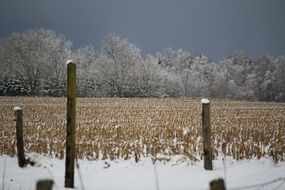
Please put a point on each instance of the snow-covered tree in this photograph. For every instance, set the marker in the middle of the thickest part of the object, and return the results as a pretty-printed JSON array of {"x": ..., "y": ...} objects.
[
  {"x": 279, "y": 79},
  {"x": 237, "y": 68},
  {"x": 116, "y": 66},
  {"x": 33, "y": 63},
  {"x": 36, "y": 58},
  {"x": 85, "y": 59},
  {"x": 263, "y": 70},
  {"x": 183, "y": 62}
]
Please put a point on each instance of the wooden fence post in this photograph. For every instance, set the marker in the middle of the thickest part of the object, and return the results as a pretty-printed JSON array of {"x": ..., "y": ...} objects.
[
  {"x": 70, "y": 125},
  {"x": 19, "y": 135},
  {"x": 217, "y": 185},
  {"x": 206, "y": 134},
  {"x": 44, "y": 184}
]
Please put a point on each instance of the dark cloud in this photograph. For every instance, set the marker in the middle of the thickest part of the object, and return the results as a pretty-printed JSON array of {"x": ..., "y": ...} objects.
[{"x": 216, "y": 28}]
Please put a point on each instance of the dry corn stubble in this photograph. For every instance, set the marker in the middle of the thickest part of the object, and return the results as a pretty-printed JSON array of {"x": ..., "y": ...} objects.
[{"x": 135, "y": 128}]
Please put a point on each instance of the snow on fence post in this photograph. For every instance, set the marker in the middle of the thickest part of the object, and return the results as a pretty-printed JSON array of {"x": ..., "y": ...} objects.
[
  {"x": 19, "y": 135},
  {"x": 70, "y": 125},
  {"x": 206, "y": 134},
  {"x": 44, "y": 184},
  {"x": 218, "y": 184}
]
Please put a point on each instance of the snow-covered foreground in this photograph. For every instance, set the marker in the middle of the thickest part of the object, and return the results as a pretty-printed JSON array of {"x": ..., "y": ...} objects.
[{"x": 128, "y": 175}]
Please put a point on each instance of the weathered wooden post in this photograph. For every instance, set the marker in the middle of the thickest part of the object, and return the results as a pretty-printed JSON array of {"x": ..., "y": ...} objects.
[
  {"x": 70, "y": 125},
  {"x": 218, "y": 184},
  {"x": 19, "y": 135},
  {"x": 44, "y": 184},
  {"x": 206, "y": 134}
]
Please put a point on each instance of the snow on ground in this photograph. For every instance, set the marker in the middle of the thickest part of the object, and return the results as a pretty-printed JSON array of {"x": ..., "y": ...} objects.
[{"x": 178, "y": 174}]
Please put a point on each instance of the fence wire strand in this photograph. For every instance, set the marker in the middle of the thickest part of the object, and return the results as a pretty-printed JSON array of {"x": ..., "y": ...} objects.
[
  {"x": 276, "y": 188},
  {"x": 261, "y": 185}
]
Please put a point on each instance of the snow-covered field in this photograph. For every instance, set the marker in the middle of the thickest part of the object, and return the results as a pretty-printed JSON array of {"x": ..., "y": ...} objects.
[{"x": 178, "y": 174}]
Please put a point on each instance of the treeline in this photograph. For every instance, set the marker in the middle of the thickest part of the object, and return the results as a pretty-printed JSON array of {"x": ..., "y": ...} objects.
[{"x": 32, "y": 63}]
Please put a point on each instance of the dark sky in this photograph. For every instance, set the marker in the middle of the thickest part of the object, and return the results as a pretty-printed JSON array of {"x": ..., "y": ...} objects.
[{"x": 213, "y": 27}]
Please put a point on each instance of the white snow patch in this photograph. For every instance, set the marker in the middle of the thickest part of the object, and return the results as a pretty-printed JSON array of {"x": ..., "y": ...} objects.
[
  {"x": 162, "y": 157},
  {"x": 69, "y": 61},
  {"x": 186, "y": 131},
  {"x": 178, "y": 173},
  {"x": 17, "y": 108},
  {"x": 38, "y": 160},
  {"x": 205, "y": 101}
]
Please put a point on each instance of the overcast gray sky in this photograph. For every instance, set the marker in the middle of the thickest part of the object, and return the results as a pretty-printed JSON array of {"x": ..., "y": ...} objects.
[{"x": 213, "y": 27}]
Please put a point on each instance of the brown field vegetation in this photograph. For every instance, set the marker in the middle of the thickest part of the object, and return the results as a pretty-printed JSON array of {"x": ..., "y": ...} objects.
[{"x": 135, "y": 128}]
